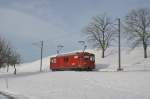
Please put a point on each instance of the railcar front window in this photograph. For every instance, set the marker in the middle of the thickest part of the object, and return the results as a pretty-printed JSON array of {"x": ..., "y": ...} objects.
[
  {"x": 51, "y": 60},
  {"x": 92, "y": 58},
  {"x": 86, "y": 57}
]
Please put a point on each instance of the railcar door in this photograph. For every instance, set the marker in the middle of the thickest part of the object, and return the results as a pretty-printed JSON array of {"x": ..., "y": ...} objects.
[
  {"x": 80, "y": 60},
  {"x": 60, "y": 63},
  {"x": 66, "y": 61}
]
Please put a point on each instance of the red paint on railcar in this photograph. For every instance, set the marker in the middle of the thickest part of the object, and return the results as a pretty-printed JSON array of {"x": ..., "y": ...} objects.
[{"x": 78, "y": 61}]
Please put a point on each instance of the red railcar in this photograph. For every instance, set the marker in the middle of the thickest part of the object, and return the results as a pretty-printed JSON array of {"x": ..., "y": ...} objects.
[{"x": 73, "y": 61}]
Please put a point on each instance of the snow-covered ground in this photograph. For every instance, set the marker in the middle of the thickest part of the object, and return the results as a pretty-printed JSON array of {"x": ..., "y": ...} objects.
[
  {"x": 103, "y": 83},
  {"x": 80, "y": 85}
]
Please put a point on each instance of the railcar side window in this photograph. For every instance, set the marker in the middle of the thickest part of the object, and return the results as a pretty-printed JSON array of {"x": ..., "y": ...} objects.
[
  {"x": 75, "y": 57},
  {"x": 53, "y": 60}
]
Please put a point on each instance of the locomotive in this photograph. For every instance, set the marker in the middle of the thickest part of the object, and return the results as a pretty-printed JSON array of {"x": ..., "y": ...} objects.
[{"x": 73, "y": 61}]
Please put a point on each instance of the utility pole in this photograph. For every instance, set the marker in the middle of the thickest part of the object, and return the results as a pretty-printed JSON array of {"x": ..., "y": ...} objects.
[
  {"x": 40, "y": 45},
  {"x": 119, "y": 50},
  {"x": 41, "y": 55}
]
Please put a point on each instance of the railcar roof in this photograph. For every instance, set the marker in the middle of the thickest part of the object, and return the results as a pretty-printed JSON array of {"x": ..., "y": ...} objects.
[{"x": 75, "y": 53}]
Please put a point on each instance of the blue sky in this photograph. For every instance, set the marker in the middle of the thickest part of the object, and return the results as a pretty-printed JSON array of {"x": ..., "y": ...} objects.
[{"x": 24, "y": 22}]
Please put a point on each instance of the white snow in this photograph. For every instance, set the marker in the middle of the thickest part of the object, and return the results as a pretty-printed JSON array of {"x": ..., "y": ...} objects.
[{"x": 103, "y": 83}]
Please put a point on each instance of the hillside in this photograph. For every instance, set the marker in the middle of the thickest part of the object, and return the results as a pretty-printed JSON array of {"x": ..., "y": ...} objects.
[{"x": 130, "y": 60}]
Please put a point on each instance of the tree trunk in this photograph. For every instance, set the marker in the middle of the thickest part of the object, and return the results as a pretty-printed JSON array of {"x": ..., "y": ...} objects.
[
  {"x": 103, "y": 53},
  {"x": 145, "y": 51},
  {"x": 7, "y": 68},
  {"x": 103, "y": 46},
  {"x": 15, "y": 71}
]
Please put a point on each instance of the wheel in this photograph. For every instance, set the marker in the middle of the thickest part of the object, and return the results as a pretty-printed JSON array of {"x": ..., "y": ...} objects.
[{"x": 53, "y": 70}]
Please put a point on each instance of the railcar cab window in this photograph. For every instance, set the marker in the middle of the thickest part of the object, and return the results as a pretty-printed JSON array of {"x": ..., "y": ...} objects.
[
  {"x": 86, "y": 57},
  {"x": 92, "y": 58},
  {"x": 66, "y": 59}
]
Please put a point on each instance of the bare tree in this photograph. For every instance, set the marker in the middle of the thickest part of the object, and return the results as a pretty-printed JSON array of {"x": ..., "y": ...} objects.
[
  {"x": 8, "y": 57},
  {"x": 15, "y": 59},
  {"x": 100, "y": 32},
  {"x": 3, "y": 52},
  {"x": 138, "y": 27}
]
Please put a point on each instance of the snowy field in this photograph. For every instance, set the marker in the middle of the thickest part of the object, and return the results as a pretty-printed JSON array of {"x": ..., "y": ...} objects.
[
  {"x": 102, "y": 83},
  {"x": 81, "y": 85}
]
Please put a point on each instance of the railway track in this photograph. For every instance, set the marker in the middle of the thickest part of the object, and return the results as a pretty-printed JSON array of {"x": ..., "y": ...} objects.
[{"x": 6, "y": 96}]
